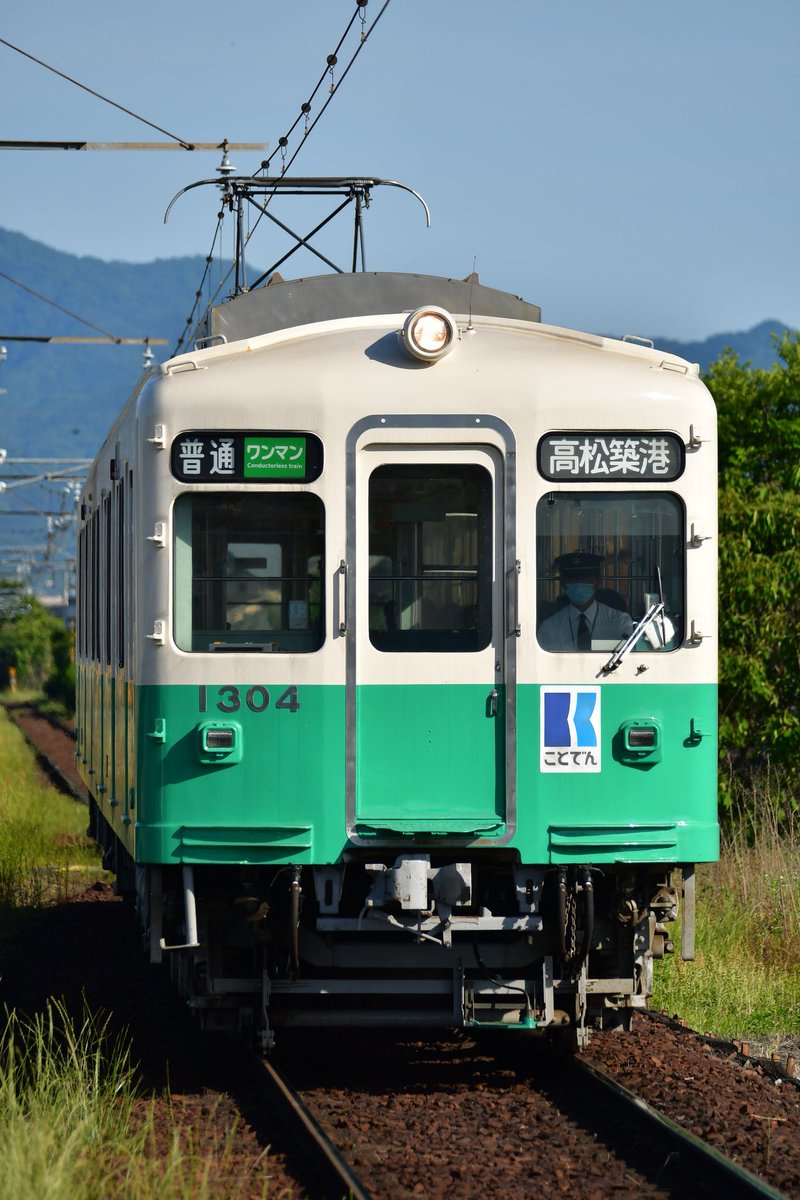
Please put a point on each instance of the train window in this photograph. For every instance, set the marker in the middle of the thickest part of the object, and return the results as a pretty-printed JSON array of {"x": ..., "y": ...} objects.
[
  {"x": 604, "y": 558},
  {"x": 249, "y": 572},
  {"x": 95, "y": 584},
  {"x": 430, "y": 557},
  {"x": 120, "y": 575},
  {"x": 107, "y": 580},
  {"x": 80, "y": 623}
]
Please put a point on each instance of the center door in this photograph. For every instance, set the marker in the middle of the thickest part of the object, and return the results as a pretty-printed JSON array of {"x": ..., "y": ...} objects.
[{"x": 429, "y": 676}]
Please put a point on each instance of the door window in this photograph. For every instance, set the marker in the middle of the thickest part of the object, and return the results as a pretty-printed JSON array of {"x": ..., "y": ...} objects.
[{"x": 430, "y": 557}]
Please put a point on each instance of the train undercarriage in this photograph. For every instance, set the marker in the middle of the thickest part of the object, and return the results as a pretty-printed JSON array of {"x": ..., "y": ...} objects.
[{"x": 413, "y": 939}]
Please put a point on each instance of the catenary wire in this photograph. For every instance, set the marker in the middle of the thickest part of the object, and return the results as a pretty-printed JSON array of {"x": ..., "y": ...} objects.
[
  {"x": 336, "y": 86},
  {"x": 181, "y": 141},
  {"x": 60, "y": 307},
  {"x": 360, "y": 4},
  {"x": 305, "y": 107},
  {"x": 199, "y": 292}
]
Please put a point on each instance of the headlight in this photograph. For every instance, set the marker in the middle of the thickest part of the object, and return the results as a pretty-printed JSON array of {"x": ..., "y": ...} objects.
[{"x": 429, "y": 333}]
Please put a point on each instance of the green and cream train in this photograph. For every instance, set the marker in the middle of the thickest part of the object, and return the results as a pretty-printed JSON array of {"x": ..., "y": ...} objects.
[{"x": 396, "y": 650}]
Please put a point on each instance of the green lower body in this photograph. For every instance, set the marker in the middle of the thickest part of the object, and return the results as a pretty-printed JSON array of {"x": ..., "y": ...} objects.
[{"x": 432, "y": 769}]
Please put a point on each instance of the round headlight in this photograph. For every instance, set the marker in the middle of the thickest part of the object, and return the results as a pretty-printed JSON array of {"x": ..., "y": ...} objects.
[{"x": 429, "y": 333}]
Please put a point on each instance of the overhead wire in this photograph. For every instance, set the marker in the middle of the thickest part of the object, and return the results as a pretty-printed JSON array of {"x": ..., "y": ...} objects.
[
  {"x": 305, "y": 107},
  {"x": 190, "y": 320},
  {"x": 60, "y": 307},
  {"x": 181, "y": 141},
  {"x": 112, "y": 337},
  {"x": 336, "y": 86},
  {"x": 331, "y": 61}
]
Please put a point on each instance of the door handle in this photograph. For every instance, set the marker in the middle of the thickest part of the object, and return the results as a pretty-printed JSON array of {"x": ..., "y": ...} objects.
[
  {"x": 512, "y": 600},
  {"x": 491, "y": 703},
  {"x": 342, "y": 597}
]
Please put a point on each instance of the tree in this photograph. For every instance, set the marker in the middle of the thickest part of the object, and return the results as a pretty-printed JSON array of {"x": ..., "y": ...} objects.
[
  {"x": 27, "y": 633},
  {"x": 759, "y": 509}
]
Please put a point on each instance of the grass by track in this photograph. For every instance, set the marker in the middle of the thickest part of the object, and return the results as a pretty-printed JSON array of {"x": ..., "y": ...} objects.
[
  {"x": 73, "y": 1124},
  {"x": 45, "y": 853},
  {"x": 745, "y": 981}
]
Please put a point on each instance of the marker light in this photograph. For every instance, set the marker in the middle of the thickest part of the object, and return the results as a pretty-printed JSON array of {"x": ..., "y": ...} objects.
[
  {"x": 219, "y": 739},
  {"x": 642, "y": 737},
  {"x": 640, "y": 742},
  {"x": 429, "y": 333},
  {"x": 220, "y": 743}
]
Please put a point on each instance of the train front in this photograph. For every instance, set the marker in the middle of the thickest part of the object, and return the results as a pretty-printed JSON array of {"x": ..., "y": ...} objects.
[{"x": 426, "y": 689}]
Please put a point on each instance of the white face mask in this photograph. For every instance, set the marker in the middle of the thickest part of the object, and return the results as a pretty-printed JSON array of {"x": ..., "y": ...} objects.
[{"x": 579, "y": 593}]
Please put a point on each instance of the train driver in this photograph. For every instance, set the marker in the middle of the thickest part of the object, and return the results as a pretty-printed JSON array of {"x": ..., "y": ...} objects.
[{"x": 583, "y": 619}]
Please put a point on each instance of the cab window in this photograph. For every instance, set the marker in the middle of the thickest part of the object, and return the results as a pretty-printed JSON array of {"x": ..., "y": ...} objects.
[
  {"x": 608, "y": 557},
  {"x": 249, "y": 572}
]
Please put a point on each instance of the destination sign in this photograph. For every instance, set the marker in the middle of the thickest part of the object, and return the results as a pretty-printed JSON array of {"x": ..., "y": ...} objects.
[
  {"x": 270, "y": 456},
  {"x": 599, "y": 457}
]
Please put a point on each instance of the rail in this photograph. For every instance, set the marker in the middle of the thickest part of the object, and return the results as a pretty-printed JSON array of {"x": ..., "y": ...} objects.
[
  {"x": 710, "y": 1165},
  {"x": 335, "y": 1176}
]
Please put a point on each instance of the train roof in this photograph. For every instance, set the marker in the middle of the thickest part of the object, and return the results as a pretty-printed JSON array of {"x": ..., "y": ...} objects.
[{"x": 285, "y": 304}]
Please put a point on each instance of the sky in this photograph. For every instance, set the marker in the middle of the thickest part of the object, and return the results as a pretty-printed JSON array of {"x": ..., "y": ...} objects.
[{"x": 630, "y": 166}]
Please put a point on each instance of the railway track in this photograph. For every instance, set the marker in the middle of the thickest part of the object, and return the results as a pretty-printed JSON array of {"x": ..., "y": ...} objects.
[
  {"x": 53, "y": 743},
  {"x": 460, "y": 1118},
  {"x": 438, "y": 1120},
  {"x": 334, "y": 1175},
  {"x": 710, "y": 1170}
]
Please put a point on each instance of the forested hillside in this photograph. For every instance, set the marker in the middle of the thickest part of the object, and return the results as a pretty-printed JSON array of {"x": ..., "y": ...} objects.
[{"x": 60, "y": 399}]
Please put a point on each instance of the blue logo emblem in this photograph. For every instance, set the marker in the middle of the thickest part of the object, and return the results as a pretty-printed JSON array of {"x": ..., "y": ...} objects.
[{"x": 570, "y": 724}]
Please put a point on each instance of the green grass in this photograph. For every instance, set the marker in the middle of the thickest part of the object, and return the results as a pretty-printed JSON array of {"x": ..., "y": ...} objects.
[
  {"x": 44, "y": 851},
  {"x": 72, "y": 1123},
  {"x": 744, "y": 980},
  {"x": 72, "y": 1126},
  {"x": 59, "y": 1106}
]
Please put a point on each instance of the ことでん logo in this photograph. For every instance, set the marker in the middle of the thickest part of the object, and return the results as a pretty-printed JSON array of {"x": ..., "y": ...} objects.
[{"x": 570, "y": 729}]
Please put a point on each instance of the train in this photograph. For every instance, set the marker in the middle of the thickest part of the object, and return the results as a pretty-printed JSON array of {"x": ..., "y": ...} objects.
[{"x": 396, "y": 656}]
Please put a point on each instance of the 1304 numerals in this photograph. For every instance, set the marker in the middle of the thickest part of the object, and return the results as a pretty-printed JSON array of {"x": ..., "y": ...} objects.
[{"x": 230, "y": 699}]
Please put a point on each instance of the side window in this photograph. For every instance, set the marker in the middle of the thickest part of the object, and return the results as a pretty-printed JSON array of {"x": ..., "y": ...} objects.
[
  {"x": 603, "y": 560},
  {"x": 430, "y": 558},
  {"x": 249, "y": 572}
]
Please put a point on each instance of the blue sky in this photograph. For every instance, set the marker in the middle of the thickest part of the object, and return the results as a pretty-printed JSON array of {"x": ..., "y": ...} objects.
[{"x": 630, "y": 166}]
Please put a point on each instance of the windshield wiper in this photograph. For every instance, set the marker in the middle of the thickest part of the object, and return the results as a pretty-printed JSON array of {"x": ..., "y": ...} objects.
[{"x": 624, "y": 650}]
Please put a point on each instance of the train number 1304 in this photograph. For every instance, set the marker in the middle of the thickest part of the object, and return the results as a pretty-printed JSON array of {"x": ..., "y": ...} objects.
[{"x": 231, "y": 698}]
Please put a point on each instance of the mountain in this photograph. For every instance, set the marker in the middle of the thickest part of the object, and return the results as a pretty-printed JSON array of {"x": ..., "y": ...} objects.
[
  {"x": 61, "y": 399},
  {"x": 756, "y": 346}
]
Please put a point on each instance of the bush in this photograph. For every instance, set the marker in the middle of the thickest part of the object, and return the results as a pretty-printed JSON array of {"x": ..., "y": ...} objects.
[{"x": 36, "y": 646}]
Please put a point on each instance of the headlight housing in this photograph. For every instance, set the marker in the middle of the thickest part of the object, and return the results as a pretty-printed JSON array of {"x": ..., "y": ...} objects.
[{"x": 429, "y": 333}]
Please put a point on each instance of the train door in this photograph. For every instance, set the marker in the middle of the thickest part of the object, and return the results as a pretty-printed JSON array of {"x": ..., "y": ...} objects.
[{"x": 429, "y": 701}]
